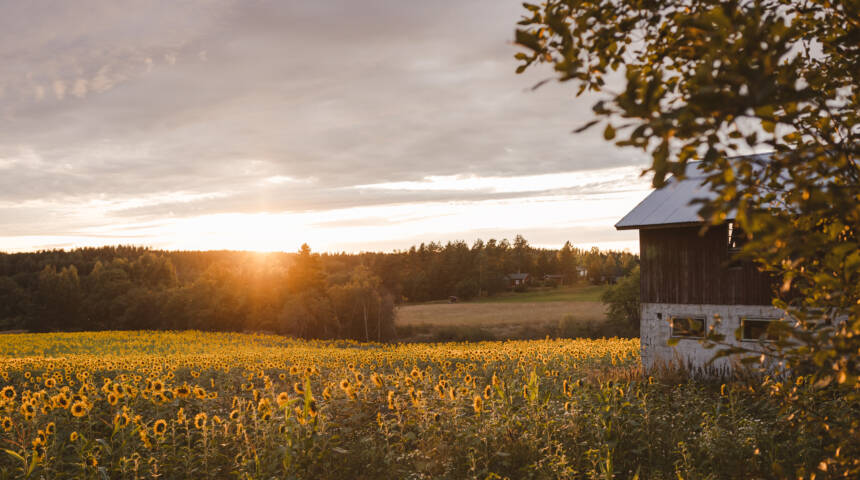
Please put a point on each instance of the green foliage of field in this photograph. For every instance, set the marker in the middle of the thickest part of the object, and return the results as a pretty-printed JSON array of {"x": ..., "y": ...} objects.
[{"x": 130, "y": 405}]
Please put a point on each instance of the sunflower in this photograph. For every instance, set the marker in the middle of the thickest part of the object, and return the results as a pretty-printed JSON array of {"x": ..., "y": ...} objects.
[
  {"x": 6, "y": 422},
  {"x": 39, "y": 452},
  {"x": 282, "y": 399},
  {"x": 312, "y": 408},
  {"x": 73, "y": 437},
  {"x": 200, "y": 421},
  {"x": 112, "y": 398},
  {"x": 234, "y": 415},
  {"x": 159, "y": 427},
  {"x": 478, "y": 404},
  {"x": 8, "y": 392},
  {"x": 28, "y": 409},
  {"x": 79, "y": 408},
  {"x": 121, "y": 420},
  {"x": 344, "y": 384},
  {"x": 92, "y": 462},
  {"x": 50, "y": 428},
  {"x": 488, "y": 391},
  {"x": 182, "y": 391},
  {"x": 297, "y": 387},
  {"x": 50, "y": 383}
]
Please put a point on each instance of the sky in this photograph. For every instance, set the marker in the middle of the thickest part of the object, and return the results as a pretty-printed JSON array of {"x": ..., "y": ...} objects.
[{"x": 255, "y": 125}]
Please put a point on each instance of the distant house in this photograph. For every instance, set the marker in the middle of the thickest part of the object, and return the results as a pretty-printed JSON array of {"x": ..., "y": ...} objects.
[
  {"x": 581, "y": 271},
  {"x": 518, "y": 279},
  {"x": 689, "y": 281},
  {"x": 556, "y": 279}
]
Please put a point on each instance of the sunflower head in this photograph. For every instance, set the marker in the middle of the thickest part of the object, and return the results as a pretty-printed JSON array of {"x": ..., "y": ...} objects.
[
  {"x": 200, "y": 420},
  {"x": 478, "y": 404},
  {"x": 159, "y": 427}
]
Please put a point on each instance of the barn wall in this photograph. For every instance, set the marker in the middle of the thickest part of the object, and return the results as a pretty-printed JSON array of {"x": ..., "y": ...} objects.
[
  {"x": 655, "y": 331},
  {"x": 679, "y": 266}
]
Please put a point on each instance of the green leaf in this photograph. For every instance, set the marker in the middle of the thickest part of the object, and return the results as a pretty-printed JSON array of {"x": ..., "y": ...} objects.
[
  {"x": 528, "y": 40},
  {"x": 609, "y": 132},
  {"x": 19, "y": 457}
]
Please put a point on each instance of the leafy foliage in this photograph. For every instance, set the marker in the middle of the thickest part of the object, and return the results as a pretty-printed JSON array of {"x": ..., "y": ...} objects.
[
  {"x": 622, "y": 300},
  {"x": 710, "y": 79},
  {"x": 304, "y": 294}
]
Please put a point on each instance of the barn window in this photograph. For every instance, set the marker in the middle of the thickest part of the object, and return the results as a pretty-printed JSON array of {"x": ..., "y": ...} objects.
[
  {"x": 756, "y": 329},
  {"x": 688, "y": 326},
  {"x": 736, "y": 237}
]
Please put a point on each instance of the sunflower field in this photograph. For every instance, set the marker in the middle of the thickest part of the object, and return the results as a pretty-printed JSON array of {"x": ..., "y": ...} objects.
[{"x": 227, "y": 405}]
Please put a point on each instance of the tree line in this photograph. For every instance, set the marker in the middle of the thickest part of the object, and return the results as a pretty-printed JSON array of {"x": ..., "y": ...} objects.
[{"x": 303, "y": 294}]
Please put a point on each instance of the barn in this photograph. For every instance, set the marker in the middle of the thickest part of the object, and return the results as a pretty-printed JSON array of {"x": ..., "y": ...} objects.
[{"x": 691, "y": 282}]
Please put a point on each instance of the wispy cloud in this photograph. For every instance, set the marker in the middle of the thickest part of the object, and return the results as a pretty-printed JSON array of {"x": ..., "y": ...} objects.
[{"x": 145, "y": 119}]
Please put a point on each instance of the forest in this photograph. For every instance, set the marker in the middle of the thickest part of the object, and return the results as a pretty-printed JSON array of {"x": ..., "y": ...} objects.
[{"x": 303, "y": 294}]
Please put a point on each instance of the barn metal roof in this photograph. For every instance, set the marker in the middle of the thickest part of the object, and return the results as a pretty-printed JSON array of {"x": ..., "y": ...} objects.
[{"x": 670, "y": 205}]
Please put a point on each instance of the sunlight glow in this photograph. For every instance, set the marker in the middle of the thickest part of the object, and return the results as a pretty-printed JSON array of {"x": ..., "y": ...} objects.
[{"x": 547, "y": 219}]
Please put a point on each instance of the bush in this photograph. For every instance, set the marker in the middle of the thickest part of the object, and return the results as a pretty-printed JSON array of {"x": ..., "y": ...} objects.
[{"x": 623, "y": 302}]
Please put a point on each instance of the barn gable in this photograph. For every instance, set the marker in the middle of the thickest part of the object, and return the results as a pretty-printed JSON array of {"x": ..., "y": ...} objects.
[{"x": 690, "y": 280}]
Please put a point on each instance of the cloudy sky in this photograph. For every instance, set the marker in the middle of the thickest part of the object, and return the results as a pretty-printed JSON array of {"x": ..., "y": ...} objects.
[{"x": 350, "y": 125}]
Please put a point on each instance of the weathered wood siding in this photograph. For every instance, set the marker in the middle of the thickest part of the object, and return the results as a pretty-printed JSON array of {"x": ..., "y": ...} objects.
[{"x": 679, "y": 266}]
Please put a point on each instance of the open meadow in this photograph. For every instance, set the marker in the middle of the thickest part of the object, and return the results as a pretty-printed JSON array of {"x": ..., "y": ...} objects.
[
  {"x": 222, "y": 405},
  {"x": 500, "y": 320},
  {"x": 574, "y": 311}
]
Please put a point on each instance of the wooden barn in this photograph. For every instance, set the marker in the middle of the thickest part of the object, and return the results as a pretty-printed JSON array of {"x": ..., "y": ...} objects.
[{"x": 689, "y": 280}]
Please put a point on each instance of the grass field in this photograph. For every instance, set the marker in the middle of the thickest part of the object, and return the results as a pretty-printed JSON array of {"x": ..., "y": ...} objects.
[
  {"x": 567, "y": 311},
  {"x": 133, "y": 405},
  {"x": 497, "y": 320}
]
